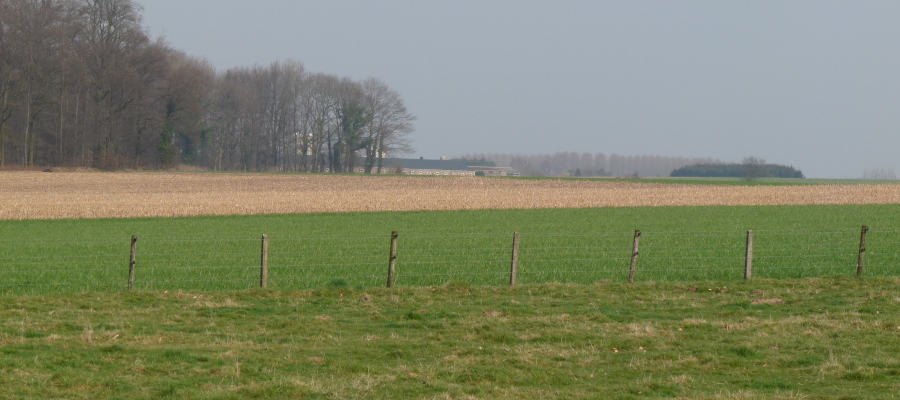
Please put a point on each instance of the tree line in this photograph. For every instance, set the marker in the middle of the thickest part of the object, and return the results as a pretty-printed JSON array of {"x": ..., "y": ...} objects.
[
  {"x": 880, "y": 174},
  {"x": 588, "y": 164},
  {"x": 82, "y": 84},
  {"x": 750, "y": 169}
]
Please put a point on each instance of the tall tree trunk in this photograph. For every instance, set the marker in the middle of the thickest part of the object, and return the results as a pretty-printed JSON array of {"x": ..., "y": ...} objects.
[
  {"x": 379, "y": 152},
  {"x": 3, "y": 132},
  {"x": 314, "y": 166},
  {"x": 59, "y": 155},
  {"x": 75, "y": 128},
  {"x": 33, "y": 139},
  {"x": 27, "y": 126}
]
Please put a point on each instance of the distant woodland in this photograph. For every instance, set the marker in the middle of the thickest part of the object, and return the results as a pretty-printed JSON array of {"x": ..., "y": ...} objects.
[
  {"x": 81, "y": 84},
  {"x": 720, "y": 170},
  {"x": 587, "y": 164}
]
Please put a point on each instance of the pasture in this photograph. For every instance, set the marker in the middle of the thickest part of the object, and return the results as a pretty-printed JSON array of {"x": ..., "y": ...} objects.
[
  {"x": 434, "y": 247},
  {"x": 815, "y": 338}
]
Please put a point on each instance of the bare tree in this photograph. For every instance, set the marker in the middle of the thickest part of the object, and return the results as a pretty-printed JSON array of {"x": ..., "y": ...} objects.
[
  {"x": 122, "y": 64},
  {"x": 320, "y": 107},
  {"x": 38, "y": 28},
  {"x": 234, "y": 117},
  {"x": 184, "y": 105},
  {"x": 82, "y": 84},
  {"x": 9, "y": 73},
  {"x": 754, "y": 168},
  {"x": 569, "y": 163},
  {"x": 880, "y": 173},
  {"x": 293, "y": 75},
  {"x": 351, "y": 117},
  {"x": 389, "y": 126}
]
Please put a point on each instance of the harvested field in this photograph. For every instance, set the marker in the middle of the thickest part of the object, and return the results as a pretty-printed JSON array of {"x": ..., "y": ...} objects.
[{"x": 41, "y": 195}]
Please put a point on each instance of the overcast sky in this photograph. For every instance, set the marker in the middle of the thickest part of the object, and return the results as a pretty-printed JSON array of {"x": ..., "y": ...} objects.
[{"x": 813, "y": 84}]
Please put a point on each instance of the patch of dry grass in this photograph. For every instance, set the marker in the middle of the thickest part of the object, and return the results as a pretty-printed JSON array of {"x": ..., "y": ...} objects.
[{"x": 58, "y": 195}]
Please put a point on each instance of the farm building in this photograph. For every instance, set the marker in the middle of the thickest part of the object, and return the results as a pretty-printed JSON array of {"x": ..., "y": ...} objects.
[
  {"x": 496, "y": 171},
  {"x": 420, "y": 166}
]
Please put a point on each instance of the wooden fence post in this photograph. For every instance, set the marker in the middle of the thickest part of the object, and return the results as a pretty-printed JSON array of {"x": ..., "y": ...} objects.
[
  {"x": 514, "y": 268},
  {"x": 862, "y": 251},
  {"x": 131, "y": 264},
  {"x": 748, "y": 258},
  {"x": 392, "y": 260},
  {"x": 264, "y": 263},
  {"x": 634, "y": 255}
]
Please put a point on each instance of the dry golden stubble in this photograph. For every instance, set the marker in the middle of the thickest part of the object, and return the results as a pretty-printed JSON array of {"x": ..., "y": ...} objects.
[{"x": 38, "y": 195}]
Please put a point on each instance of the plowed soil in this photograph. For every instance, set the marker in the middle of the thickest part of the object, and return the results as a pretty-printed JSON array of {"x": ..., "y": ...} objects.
[{"x": 59, "y": 195}]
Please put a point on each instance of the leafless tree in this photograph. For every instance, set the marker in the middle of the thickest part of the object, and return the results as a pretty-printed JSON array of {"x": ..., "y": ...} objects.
[
  {"x": 321, "y": 105},
  {"x": 390, "y": 124},
  {"x": 37, "y": 28},
  {"x": 293, "y": 81},
  {"x": 82, "y": 84},
  {"x": 351, "y": 118},
  {"x": 754, "y": 168},
  {"x": 9, "y": 73},
  {"x": 880, "y": 173},
  {"x": 567, "y": 163},
  {"x": 183, "y": 106},
  {"x": 123, "y": 67}
]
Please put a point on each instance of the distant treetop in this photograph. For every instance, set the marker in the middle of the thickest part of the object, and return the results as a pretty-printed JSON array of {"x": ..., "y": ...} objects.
[{"x": 735, "y": 171}]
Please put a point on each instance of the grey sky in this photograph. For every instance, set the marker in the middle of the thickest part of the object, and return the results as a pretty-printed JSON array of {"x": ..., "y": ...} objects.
[{"x": 813, "y": 84}]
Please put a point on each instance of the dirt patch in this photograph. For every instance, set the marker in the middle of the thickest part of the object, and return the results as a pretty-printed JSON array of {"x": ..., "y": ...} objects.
[{"x": 316, "y": 360}]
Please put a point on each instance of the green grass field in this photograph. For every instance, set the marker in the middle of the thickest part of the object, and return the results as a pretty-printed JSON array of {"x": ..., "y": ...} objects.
[
  {"x": 351, "y": 249},
  {"x": 814, "y": 338}
]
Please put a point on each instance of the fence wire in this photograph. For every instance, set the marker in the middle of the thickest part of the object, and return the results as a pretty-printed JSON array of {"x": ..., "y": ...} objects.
[{"x": 304, "y": 262}]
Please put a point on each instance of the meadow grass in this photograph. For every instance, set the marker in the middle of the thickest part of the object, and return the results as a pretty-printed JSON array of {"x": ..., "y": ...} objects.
[
  {"x": 822, "y": 338},
  {"x": 351, "y": 249}
]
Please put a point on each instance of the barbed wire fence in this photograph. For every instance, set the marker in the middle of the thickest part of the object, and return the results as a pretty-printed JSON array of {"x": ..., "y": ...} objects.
[{"x": 422, "y": 259}]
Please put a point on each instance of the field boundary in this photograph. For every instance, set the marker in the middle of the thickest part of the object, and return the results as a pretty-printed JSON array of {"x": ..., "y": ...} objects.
[{"x": 242, "y": 262}]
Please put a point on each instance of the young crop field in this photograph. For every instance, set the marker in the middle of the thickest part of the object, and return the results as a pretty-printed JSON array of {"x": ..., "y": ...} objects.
[
  {"x": 822, "y": 338},
  {"x": 41, "y": 195},
  {"x": 434, "y": 247}
]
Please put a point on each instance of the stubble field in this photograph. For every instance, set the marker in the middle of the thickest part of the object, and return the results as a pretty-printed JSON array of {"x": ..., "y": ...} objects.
[{"x": 75, "y": 195}]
